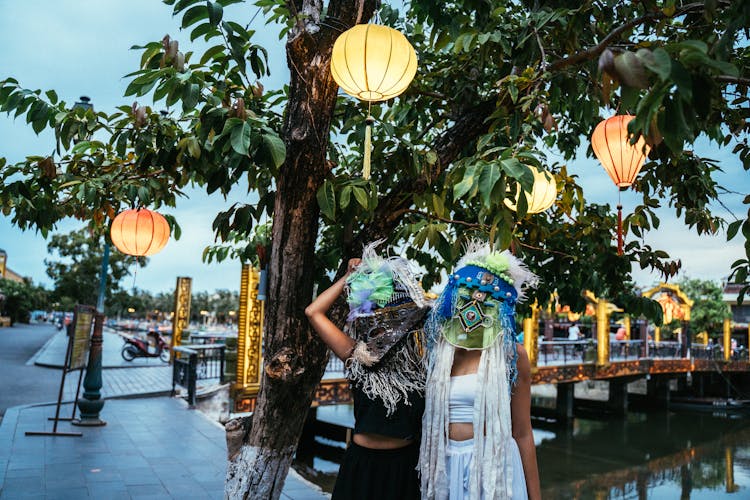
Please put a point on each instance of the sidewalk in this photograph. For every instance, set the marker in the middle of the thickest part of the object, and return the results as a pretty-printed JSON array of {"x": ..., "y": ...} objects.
[
  {"x": 150, "y": 448},
  {"x": 52, "y": 354}
]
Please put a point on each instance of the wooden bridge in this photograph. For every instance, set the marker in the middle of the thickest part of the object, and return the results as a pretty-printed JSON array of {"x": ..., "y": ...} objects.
[{"x": 565, "y": 363}]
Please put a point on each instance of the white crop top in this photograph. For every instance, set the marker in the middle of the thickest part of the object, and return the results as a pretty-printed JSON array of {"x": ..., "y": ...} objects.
[{"x": 461, "y": 398}]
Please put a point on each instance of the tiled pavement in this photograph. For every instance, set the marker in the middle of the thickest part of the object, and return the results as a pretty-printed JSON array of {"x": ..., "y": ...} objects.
[
  {"x": 150, "y": 448},
  {"x": 119, "y": 382}
]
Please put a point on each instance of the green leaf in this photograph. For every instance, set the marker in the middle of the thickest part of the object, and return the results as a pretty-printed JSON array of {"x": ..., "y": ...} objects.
[
  {"x": 361, "y": 196},
  {"x": 190, "y": 96},
  {"x": 275, "y": 147},
  {"x": 215, "y": 13},
  {"x": 194, "y": 14},
  {"x": 327, "y": 200},
  {"x": 211, "y": 53},
  {"x": 345, "y": 197},
  {"x": 240, "y": 138},
  {"x": 733, "y": 228},
  {"x": 657, "y": 61},
  {"x": 488, "y": 177},
  {"x": 463, "y": 187}
]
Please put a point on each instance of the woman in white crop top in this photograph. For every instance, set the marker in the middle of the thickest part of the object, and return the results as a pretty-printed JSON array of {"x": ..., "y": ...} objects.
[{"x": 477, "y": 441}]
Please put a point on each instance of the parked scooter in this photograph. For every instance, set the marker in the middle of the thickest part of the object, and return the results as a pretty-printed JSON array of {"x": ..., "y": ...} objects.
[{"x": 154, "y": 346}]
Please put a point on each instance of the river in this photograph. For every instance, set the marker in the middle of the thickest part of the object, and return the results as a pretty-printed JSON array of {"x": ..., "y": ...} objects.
[{"x": 657, "y": 455}]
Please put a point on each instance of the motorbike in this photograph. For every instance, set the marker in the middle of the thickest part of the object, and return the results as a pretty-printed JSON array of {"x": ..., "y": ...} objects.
[{"x": 154, "y": 346}]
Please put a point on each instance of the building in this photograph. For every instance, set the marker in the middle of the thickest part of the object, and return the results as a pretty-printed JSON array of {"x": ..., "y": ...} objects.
[
  {"x": 740, "y": 313},
  {"x": 5, "y": 271}
]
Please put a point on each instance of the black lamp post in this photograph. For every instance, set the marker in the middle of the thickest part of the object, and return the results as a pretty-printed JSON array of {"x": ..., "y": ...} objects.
[{"x": 91, "y": 403}]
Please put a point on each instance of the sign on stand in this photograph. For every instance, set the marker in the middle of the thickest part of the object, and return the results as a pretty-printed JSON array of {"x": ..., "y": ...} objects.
[{"x": 76, "y": 358}]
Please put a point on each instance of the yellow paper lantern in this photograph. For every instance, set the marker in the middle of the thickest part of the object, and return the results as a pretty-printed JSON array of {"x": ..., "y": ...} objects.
[
  {"x": 611, "y": 145},
  {"x": 139, "y": 232},
  {"x": 622, "y": 160},
  {"x": 372, "y": 63},
  {"x": 542, "y": 195}
]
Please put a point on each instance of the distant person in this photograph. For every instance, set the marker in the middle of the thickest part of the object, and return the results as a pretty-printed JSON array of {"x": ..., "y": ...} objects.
[
  {"x": 574, "y": 333},
  {"x": 620, "y": 335}
]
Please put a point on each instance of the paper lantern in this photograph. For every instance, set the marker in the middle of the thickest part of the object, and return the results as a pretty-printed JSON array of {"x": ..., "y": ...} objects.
[
  {"x": 622, "y": 160},
  {"x": 612, "y": 147},
  {"x": 139, "y": 232},
  {"x": 542, "y": 195},
  {"x": 372, "y": 63}
]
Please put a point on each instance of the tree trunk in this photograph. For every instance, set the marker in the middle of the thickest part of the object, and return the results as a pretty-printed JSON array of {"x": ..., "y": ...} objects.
[{"x": 294, "y": 358}]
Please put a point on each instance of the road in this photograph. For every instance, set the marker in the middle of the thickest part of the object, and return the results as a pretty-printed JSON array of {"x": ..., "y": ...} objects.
[{"x": 21, "y": 383}]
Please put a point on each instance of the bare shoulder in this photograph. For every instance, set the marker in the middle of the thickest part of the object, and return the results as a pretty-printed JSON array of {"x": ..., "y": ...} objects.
[{"x": 522, "y": 362}]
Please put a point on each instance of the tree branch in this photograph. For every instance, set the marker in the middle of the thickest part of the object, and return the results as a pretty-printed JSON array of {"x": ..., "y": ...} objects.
[
  {"x": 472, "y": 225},
  {"x": 614, "y": 35},
  {"x": 736, "y": 80}
]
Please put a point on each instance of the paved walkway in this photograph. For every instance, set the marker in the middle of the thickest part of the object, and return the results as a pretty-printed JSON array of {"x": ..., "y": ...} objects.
[
  {"x": 52, "y": 355},
  {"x": 150, "y": 448}
]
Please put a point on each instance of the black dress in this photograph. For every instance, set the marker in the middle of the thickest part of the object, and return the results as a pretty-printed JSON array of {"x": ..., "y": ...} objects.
[{"x": 372, "y": 474}]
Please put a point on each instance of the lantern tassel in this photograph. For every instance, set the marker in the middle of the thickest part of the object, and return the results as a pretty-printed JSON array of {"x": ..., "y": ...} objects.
[
  {"x": 368, "y": 146},
  {"x": 619, "y": 229}
]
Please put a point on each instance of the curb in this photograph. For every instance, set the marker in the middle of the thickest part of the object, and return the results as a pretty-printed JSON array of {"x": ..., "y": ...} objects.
[{"x": 41, "y": 350}]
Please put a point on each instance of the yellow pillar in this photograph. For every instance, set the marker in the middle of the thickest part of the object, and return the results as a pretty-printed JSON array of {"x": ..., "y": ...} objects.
[
  {"x": 181, "y": 316},
  {"x": 657, "y": 334},
  {"x": 249, "y": 334},
  {"x": 626, "y": 321},
  {"x": 531, "y": 335},
  {"x": 729, "y": 464},
  {"x": 602, "y": 333},
  {"x": 727, "y": 339}
]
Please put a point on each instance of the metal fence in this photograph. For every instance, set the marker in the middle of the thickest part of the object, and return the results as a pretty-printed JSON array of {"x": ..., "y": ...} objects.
[
  {"x": 665, "y": 349},
  {"x": 566, "y": 352},
  {"x": 622, "y": 350},
  {"x": 194, "y": 363}
]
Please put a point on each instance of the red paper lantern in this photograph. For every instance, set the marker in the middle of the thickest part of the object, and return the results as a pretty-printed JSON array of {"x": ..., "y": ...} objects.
[{"x": 139, "y": 232}]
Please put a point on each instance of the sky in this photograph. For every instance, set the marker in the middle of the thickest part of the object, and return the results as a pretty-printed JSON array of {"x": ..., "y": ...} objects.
[{"x": 81, "y": 47}]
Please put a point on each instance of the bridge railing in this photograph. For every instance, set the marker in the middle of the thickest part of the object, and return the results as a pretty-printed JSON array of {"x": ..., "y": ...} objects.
[
  {"x": 566, "y": 352},
  {"x": 665, "y": 349},
  {"x": 623, "y": 350},
  {"x": 335, "y": 367}
]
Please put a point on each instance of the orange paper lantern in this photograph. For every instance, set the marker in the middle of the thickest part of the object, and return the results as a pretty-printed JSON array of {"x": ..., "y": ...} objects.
[
  {"x": 611, "y": 145},
  {"x": 139, "y": 232},
  {"x": 622, "y": 160}
]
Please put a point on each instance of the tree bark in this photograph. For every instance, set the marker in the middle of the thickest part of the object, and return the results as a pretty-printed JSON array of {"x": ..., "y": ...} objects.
[{"x": 294, "y": 358}]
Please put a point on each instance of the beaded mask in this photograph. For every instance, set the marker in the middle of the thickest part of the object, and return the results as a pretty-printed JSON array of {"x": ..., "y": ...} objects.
[
  {"x": 387, "y": 313},
  {"x": 479, "y": 302}
]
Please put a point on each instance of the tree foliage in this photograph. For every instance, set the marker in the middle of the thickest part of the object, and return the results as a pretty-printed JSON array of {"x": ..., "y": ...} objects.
[
  {"x": 20, "y": 299},
  {"x": 75, "y": 265},
  {"x": 502, "y": 88},
  {"x": 709, "y": 309}
]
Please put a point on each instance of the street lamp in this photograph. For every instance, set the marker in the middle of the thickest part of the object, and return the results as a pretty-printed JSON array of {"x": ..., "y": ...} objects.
[{"x": 91, "y": 403}]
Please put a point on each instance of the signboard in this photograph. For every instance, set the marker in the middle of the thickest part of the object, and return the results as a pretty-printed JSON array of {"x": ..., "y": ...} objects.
[
  {"x": 81, "y": 339},
  {"x": 249, "y": 333},
  {"x": 181, "y": 317}
]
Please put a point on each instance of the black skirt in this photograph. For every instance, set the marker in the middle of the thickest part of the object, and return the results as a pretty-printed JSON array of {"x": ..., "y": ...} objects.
[{"x": 378, "y": 474}]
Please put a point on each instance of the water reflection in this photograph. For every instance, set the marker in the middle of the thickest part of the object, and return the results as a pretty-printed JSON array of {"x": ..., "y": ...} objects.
[
  {"x": 657, "y": 455},
  {"x": 643, "y": 456}
]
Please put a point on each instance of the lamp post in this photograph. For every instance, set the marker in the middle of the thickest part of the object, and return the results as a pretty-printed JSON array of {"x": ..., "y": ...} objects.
[{"x": 91, "y": 402}]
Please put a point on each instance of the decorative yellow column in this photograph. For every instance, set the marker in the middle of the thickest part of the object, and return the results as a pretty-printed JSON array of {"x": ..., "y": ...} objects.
[
  {"x": 249, "y": 341},
  {"x": 181, "y": 316},
  {"x": 727, "y": 339},
  {"x": 602, "y": 333},
  {"x": 626, "y": 321},
  {"x": 729, "y": 473},
  {"x": 531, "y": 335},
  {"x": 657, "y": 334}
]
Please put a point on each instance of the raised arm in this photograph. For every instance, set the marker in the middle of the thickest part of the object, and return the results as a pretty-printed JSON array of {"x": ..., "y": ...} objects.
[
  {"x": 520, "y": 408},
  {"x": 339, "y": 342}
]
